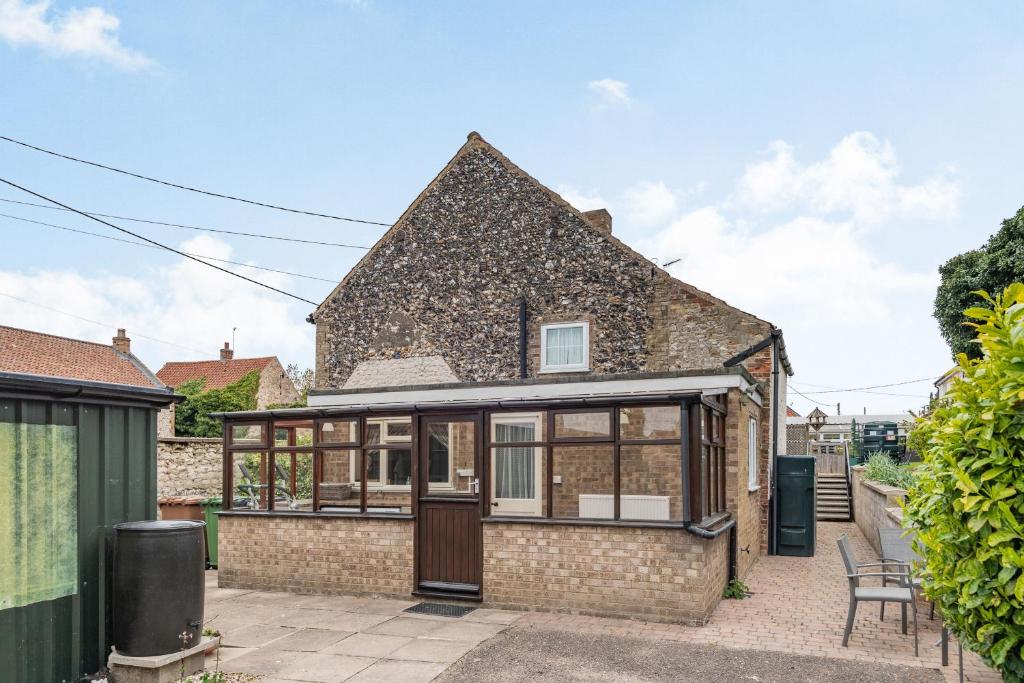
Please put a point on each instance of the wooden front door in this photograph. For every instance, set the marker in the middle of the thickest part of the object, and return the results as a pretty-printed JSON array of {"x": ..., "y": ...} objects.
[{"x": 449, "y": 549}]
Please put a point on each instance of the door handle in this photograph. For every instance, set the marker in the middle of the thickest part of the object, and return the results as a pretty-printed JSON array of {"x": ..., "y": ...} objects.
[{"x": 474, "y": 486}]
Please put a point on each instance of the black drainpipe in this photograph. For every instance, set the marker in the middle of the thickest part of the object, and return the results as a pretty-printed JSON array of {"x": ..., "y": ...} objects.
[
  {"x": 774, "y": 510},
  {"x": 522, "y": 338}
]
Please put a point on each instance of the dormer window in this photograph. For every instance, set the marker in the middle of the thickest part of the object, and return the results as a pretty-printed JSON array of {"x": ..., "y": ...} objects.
[{"x": 565, "y": 347}]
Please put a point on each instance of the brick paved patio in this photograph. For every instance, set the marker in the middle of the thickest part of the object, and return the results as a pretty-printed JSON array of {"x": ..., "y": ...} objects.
[{"x": 798, "y": 605}]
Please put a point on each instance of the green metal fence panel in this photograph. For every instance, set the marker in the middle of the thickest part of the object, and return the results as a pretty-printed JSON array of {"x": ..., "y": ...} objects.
[{"x": 64, "y": 638}]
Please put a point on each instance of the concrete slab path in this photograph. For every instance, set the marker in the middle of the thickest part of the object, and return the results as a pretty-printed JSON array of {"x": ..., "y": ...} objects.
[{"x": 329, "y": 639}]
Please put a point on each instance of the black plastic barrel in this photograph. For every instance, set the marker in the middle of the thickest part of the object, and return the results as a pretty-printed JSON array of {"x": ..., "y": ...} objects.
[{"x": 158, "y": 586}]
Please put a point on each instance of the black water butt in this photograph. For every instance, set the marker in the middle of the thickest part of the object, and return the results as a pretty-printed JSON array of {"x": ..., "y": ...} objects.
[{"x": 158, "y": 586}]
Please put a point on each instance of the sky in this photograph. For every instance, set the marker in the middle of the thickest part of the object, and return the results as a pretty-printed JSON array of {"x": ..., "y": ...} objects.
[{"x": 810, "y": 163}]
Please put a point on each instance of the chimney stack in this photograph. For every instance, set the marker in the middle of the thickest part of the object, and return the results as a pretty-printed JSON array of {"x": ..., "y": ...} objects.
[
  {"x": 121, "y": 342},
  {"x": 227, "y": 353},
  {"x": 600, "y": 219}
]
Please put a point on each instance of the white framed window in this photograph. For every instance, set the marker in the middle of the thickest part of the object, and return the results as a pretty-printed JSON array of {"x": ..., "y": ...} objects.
[
  {"x": 516, "y": 470},
  {"x": 831, "y": 436},
  {"x": 752, "y": 468},
  {"x": 390, "y": 466},
  {"x": 565, "y": 347}
]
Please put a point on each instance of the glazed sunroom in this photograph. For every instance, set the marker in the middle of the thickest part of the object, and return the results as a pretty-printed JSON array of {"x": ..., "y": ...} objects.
[{"x": 462, "y": 472}]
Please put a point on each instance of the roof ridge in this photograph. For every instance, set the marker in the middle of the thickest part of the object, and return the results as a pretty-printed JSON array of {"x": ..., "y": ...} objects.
[
  {"x": 217, "y": 360},
  {"x": 58, "y": 336}
]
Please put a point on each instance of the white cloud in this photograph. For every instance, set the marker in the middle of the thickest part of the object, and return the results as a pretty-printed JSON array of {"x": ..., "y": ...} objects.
[
  {"x": 87, "y": 32},
  {"x": 582, "y": 200},
  {"x": 858, "y": 178},
  {"x": 648, "y": 203},
  {"x": 798, "y": 244},
  {"x": 185, "y": 303},
  {"x": 611, "y": 93}
]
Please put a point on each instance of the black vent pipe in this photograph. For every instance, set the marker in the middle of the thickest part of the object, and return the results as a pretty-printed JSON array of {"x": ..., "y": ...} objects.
[{"x": 522, "y": 338}]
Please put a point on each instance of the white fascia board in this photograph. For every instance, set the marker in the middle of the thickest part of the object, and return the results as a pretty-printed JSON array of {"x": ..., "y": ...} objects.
[{"x": 711, "y": 384}]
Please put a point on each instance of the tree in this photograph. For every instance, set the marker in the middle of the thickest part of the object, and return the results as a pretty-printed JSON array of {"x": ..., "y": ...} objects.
[
  {"x": 191, "y": 416},
  {"x": 990, "y": 268},
  {"x": 302, "y": 378},
  {"x": 967, "y": 505}
]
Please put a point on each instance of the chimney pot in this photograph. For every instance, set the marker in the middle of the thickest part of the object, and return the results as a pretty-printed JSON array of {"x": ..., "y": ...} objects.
[
  {"x": 227, "y": 353},
  {"x": 600, "y": 219},
  {"x": 121, "y": 342}
]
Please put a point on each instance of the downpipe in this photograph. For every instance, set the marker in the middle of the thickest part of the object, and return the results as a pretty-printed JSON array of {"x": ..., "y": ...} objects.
[{"x": 729, "y": 526}]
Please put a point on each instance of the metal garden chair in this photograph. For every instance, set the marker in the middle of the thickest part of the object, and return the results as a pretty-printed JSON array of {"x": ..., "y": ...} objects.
[
  {"x": 902, "y": 593},
  {"x": 898, "y": 546}
]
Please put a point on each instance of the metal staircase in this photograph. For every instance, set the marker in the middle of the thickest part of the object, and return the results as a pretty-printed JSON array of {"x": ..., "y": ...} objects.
[{"x": 833, "y": 497}]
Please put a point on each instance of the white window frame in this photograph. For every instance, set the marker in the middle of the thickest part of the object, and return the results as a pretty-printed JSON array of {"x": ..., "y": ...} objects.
[
  {"x": 752, "y": 456},
  {"x": 581, "y": 367},
  {"x": 519, "y": 507},
  {"x": 386, "y": 440}
]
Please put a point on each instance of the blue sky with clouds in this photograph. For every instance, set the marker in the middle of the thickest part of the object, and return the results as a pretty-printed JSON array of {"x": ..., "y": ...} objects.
[{"x": 810, "y": 163}]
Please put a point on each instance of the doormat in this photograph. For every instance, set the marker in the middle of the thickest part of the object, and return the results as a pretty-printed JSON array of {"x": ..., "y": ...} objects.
[{"x": 438, "y": 609}]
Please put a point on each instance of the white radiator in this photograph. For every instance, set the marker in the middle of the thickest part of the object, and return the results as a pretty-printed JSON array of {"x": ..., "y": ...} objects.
[{"x": 599, "y": 506}]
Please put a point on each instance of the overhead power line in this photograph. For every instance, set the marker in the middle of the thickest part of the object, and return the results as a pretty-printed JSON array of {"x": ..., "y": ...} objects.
[
  {"x": 812, "y": 400},
  {"x": 109, "y": 326},
  {"x": 162, "y": 246},
  {"x": 209, "y": 193},
  {"x": 877, "y": 386},
  {"x": 150, "y": 246},
  {"x": 194, "y": 227}
]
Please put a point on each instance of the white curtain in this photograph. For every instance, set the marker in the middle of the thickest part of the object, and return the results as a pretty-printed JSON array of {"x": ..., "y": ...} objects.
[
  {"x": 564, "y": 346},
  {"x": 514, "y": 465}
]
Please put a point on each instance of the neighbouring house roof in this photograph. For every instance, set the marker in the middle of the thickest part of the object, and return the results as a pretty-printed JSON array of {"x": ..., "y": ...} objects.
[
  {"x": 218, "y": 373},
  {"x": 791, "y": 413},
  {"x": 844, "y": 420},
  {"x": 23, "y": 352},
  {"x": 394, "y": 372},
  {"x": 949, "y": 375}
]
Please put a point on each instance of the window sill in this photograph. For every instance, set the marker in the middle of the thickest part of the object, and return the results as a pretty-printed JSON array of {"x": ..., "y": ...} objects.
[
  {"x": 309, "y": 513},
  {"x": 495, "y": 519},
  {"x": 753, "y": 489},
  {"x": 557, "y": 371}
]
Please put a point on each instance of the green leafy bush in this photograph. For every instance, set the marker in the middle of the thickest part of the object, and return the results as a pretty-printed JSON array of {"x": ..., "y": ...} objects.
[
  {"x": 968, "y": 502},
  {"x": 736, "y": 590},
  {"x": 882, "y": 468},
  {"x": 191, "y": 416}
]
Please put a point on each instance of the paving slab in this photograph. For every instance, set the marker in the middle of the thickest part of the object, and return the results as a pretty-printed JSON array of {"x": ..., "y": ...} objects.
[
  {"x": 262, "y": 661},
  {"x": 388, "y": 670},
  {"x": 323, "y": 668},
  {"x": 255, "y": 635},
  {"x": 309, "y": 640},
  {"x": 406, "y": 626},
  {"x": 368, "y": 645},
  {"x": 432, "y": 650},
  {"x": 468, "y": 631},
  {"x": 493, "y": 616}
]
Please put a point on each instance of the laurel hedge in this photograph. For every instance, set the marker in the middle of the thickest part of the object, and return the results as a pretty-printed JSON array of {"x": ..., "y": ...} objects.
[{"x": 968, "y": 501}]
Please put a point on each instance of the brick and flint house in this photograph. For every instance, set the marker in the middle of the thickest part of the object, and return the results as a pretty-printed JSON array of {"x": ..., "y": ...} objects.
[
  {"x": 275, "y": 388},
  {"x": 513, "y": 406}
]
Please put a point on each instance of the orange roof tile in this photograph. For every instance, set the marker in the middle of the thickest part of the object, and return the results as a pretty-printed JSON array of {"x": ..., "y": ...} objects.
[
  {"x": 218, "y": 373},
  {"x": 35, "y": 353}
]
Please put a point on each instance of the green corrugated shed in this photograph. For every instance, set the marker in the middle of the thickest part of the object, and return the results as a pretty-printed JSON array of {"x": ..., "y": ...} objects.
[{"x": 114, "y": 428}]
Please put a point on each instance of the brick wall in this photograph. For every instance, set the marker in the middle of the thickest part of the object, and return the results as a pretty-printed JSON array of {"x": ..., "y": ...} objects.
[
  {"x": 664, "y": 575},
  {"x": 875, "y": 506},
  {"x": 746, "y": 505},
  {"x": 189, "y": 466},
  {"x": 316, "y": 554},
  {"x": 275, "y": 387}
]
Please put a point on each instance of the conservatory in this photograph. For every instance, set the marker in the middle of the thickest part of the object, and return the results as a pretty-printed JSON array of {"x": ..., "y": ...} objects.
[{"x": 606, "y": 497}]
